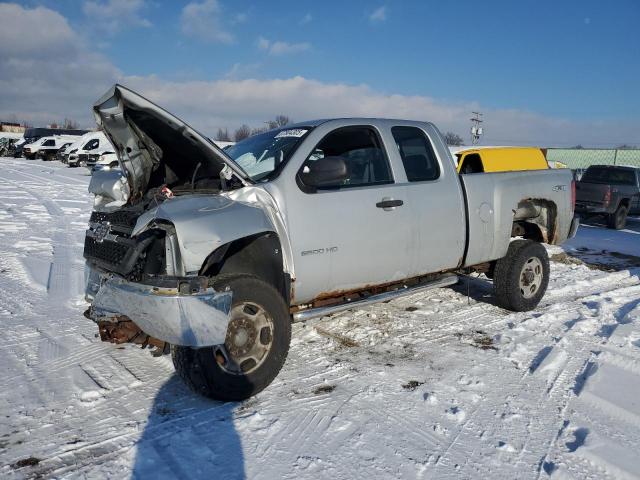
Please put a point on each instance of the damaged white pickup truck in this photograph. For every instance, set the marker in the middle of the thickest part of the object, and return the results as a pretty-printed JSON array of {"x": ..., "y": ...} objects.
[{"x": 212, "y": 254}]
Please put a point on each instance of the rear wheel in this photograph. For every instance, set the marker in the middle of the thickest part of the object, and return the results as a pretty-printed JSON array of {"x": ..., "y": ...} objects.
[
  {"x": 255, "y": 348},
  {"x": 521, "y": 277},
  {"x": 618, "y": 219}
]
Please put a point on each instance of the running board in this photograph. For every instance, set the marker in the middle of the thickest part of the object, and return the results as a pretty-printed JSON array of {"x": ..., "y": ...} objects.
[{"x": 308, "y": 314}]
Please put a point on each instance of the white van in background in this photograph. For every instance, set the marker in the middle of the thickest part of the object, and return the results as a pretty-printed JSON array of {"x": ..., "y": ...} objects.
[
  {"x": 89, "y": 149},
  {"x": 46, "y": 147}
]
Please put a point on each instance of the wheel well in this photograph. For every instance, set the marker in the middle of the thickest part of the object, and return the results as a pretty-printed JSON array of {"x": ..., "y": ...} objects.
[
  {"x": 536, "y": 219},
  {"x": 259, "y": 255}
]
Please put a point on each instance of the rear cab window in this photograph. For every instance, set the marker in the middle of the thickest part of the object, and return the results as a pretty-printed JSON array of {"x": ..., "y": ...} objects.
[
  {"x": 620, "y": 176},
  {"x": 418, "y": 157}
]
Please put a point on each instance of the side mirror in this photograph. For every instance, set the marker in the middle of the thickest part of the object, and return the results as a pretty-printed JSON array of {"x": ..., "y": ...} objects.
[{"x": 324, "y": 172}]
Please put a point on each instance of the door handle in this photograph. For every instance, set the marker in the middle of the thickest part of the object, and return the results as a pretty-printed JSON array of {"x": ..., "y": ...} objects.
[{"x": 388, "y": 204}]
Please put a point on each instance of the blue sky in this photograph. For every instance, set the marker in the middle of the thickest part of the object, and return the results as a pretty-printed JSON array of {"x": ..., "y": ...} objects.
[{"x": 571, "y": 62}]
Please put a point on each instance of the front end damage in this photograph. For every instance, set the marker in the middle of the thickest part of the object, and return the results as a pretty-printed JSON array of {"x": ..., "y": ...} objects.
[
  {"x": 176, "y": 199},
  {"x": 144, "y": 267},
  {"x": 138, "y": 288},
  {"x": 176, "y": 310}
]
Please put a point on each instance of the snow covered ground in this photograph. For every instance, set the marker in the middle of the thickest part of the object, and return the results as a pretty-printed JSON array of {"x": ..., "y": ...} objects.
[{"x": 432, "y": 385}]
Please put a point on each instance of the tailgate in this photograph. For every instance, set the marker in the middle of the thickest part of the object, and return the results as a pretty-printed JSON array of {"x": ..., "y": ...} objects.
[{"x": 591, "y": 193}]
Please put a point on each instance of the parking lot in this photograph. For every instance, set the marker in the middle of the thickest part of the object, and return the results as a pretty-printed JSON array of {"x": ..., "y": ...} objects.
[{"x": 440, "y": 383}]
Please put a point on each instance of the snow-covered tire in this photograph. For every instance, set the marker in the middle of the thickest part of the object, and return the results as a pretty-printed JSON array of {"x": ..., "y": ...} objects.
[
  {"x": 260, "y": 325},
  {"x": 618, "y": 219},
  {"x": 521, "y": 277}
]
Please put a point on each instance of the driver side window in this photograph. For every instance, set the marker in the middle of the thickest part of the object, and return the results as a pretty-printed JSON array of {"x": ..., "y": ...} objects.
[{"x": 362, "y": 153}]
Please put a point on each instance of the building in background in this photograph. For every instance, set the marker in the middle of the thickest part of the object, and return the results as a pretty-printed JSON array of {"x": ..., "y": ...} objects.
[{"x": 11, "y": 127}]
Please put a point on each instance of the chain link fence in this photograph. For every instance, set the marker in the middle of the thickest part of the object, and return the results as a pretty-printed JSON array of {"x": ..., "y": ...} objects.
[{"x": 583, "y": 157}]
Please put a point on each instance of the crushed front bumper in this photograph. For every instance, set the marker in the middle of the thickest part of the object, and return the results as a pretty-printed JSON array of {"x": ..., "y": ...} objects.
[{"x": 182, "y": 314}]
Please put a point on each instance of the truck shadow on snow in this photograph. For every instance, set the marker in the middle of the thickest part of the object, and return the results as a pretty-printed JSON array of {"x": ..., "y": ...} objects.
[
  {"x": 188, "y": 436},
  {"x": 476, "y": 288}
]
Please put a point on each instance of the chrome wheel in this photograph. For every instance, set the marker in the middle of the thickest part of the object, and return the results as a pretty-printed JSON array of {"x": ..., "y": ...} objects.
[
  {"x": 248, "y": 341},
  {"x": 531, "y": 277}
]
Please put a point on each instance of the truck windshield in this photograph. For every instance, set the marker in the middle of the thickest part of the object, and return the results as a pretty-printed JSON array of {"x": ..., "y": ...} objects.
[
  {"x": 261, "y": 155},
  {"x": 618, "y": 176}
]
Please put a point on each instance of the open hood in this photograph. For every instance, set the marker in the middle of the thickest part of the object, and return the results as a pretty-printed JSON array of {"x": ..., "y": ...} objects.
[{"x": 156, "y": 148}]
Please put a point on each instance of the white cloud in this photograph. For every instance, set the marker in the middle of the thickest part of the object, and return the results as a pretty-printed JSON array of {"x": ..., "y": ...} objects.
[
  {"x": 240, "y": 18},
  {"x": 112, "y": 16},
  {"x": 48, "y": 32},
  {"x": 263, "y": 43},
  {"x": 379, "y": 15},
  {"x": 204, "y": 21},
  {"x": 281, "y": 48},
  {"x": 48, "y": 74},
  {"x": 208, "y": 105},
  {"x": 242, "y": 70},
  {"x": 306, "y": 19}
]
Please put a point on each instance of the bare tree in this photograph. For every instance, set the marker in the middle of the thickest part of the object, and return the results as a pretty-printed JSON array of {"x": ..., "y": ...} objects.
[
  {"x": 245, "y": 131},
  {"x": 223, "y": 135},
  {"x": 282, "y": 120},
  {"x": 453, "y": 139},
  {"x": 241, "y": 133},
  {"x": 277, "y": 122},
  {"x": 70, "y": 124}
]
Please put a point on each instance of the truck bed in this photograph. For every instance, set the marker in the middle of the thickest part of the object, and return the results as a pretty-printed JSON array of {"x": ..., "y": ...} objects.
[{"x": 494, "y": 200}]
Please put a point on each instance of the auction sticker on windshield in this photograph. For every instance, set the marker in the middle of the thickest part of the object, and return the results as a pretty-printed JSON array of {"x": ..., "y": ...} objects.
[{"x": 294, "y": 132}]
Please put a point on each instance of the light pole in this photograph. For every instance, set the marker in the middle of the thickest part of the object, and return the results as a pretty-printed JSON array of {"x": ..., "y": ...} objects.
[{"x": 476, "y": 127}]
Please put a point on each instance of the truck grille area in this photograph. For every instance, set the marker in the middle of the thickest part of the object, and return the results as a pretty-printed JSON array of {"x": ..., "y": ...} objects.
[
  {"x": 108, "y": 245},
  {"x": 124, "y": 219},
  {"x": 109, "y": 252}
]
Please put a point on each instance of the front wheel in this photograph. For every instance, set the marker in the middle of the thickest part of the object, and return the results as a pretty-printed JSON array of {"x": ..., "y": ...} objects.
[
  {"x": 521, "y": 277},
  {"x": 255, "y": 348},
  {"x": 618, "y": 219}
]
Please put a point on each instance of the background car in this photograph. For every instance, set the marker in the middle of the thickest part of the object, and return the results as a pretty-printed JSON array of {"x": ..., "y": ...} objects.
[
  {"x": 106, "y": 161},
  {"x": 91, "y": 146}
]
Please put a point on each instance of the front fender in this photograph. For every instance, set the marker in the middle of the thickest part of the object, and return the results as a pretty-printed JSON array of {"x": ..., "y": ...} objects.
[{"x": 205, "y": 222}]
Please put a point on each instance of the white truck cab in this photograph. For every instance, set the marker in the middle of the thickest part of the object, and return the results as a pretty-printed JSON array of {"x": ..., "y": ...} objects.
[
  {"x": 46, "y": 147},
  {"x": 89, "y": 149}
]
